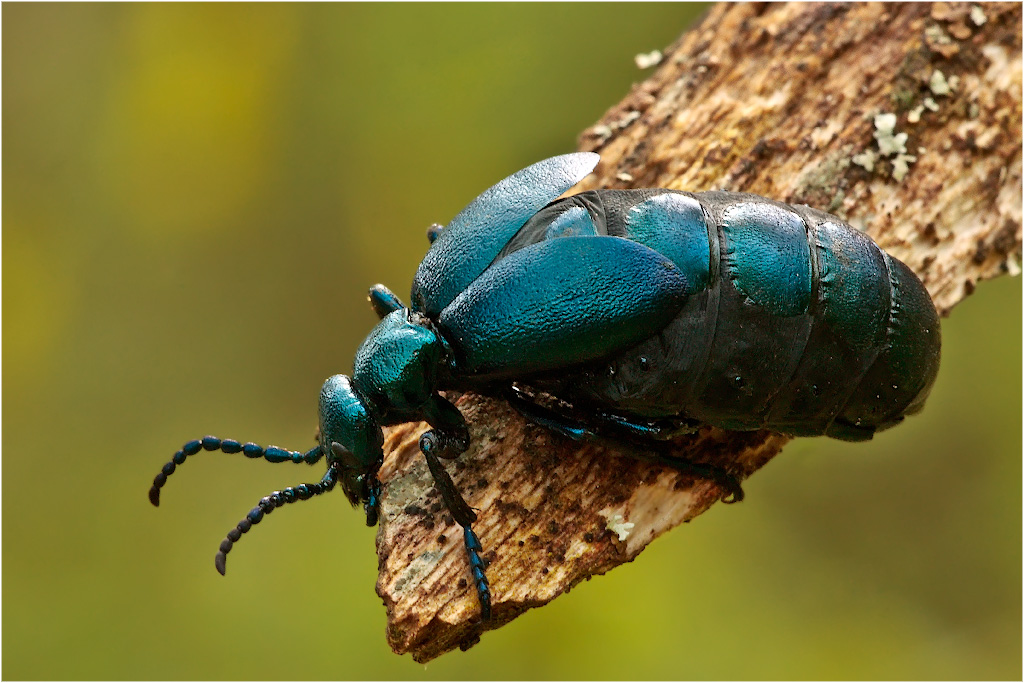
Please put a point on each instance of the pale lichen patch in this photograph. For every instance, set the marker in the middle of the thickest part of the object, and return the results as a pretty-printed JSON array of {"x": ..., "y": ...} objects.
[
  {"x": 889, "y": 141},
  {"x": 645, "y": 60},
  {"x": 901, "y": 165},
  {"x": 938, "y": 84},
  {"x": 866, "y": 159},
  {"x": 618, "y": 525},
  {"x": 936, "y": 36}
]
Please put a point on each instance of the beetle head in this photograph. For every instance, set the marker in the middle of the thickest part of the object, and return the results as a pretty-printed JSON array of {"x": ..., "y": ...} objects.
[{"x": 350, "y": 437}]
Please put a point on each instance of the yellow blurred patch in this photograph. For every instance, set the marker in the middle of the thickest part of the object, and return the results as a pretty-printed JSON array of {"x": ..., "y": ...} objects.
[
  {"x": 38, "y": 297},
  {"x": 189, "y": 132}
]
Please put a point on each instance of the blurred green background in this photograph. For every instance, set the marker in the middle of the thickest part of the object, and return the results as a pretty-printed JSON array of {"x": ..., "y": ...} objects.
[{"x": 196, "y": 200}]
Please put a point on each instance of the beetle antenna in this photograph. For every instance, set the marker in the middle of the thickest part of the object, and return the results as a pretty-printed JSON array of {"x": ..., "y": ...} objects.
[
  {"x": 212, "y": 443},
  {"x": 267, "y": 505}
]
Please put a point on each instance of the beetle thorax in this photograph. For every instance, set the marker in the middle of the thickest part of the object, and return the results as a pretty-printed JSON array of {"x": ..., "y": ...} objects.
[{"x": 396, "y": 365}]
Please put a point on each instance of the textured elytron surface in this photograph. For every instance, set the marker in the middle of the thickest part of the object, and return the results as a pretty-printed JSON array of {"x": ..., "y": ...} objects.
[
  {"x": 475, "y": 236},
  {"x": 562, "y": 302}
]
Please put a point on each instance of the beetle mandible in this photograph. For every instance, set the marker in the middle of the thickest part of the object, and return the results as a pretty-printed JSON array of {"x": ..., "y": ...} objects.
[{"x": 646, "y": 313}]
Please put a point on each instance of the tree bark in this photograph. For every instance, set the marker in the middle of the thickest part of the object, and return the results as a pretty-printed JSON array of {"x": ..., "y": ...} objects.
[{"x": 905, "y": 120}]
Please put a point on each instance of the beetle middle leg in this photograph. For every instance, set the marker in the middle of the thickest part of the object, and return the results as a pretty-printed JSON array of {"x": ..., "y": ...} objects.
[
  {"x": 448, "y": 439},
  {"x": 647, "y": 438}
]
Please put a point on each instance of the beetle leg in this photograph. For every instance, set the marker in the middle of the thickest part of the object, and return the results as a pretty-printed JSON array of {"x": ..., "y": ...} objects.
[
  {"x": 433, "y": 231},
  {"x": 384, "y": 301},
  {"x": 372, "y": 502},
  {"x": 462, "y": 513},
  {"x": 449, "y": 426},
  {"x": 449, "y": 439},
  {"x": 650, "y": 437},
  {"x": 719, "y": 475},
  {"x": 546, "y": 417},
  {"x": 599, "y": 423}
]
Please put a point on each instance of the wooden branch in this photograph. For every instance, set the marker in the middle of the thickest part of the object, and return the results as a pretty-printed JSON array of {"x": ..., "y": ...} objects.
[{"x": 903, "y": 119}]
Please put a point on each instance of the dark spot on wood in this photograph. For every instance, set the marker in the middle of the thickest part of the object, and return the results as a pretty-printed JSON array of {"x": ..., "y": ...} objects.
[
  {"x": 968, "y": 287},
  {"x": 534, "y": 538},
  {"x": 553, "y": 527},
  {"x": 442, "y": 539},
  {"x": 448, "y": 520},
  {"x": 588, "y": 537},
  {"x": 1005, "y": 239},
  {"x": 980, "y": 252},
  {"x": 463, "y": 583},
  {"x": 511, "y": 508},
  {"x": 637, "y": 156},
  {"x": 413, "y": 509}
]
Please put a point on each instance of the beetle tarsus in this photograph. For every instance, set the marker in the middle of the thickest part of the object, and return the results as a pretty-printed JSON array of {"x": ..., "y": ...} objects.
[{"x": 478, "y": 567}]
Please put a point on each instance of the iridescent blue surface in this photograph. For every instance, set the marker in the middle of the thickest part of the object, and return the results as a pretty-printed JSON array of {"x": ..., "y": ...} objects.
[
  {"x": 562, "y": 302},
  {"x": 673, "y": 224},
  {"x": 767, "y": 256},
  {"x": 472, "y": 239},
  {"x": 574, "y": 222}
]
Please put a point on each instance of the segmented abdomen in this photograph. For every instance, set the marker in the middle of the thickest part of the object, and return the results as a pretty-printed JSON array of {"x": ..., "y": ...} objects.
[{"x": 795, "y": 322}]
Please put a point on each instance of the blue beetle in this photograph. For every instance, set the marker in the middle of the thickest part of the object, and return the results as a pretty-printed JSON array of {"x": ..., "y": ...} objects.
[{"x": 645, "y": 313}]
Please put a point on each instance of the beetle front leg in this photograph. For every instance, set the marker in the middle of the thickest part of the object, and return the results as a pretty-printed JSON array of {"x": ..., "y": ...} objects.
[
  {"x": 449, "y": 439},
  {"x": 371, "y": 504},
  {"x": 384, "y": 301}
]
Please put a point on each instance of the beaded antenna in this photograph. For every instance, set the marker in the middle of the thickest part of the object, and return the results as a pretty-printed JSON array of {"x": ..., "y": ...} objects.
[{"x": 268, "y": 503}]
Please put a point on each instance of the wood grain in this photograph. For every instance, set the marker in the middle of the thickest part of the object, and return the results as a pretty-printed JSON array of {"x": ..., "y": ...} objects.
[{"x": 903, "y": 119}]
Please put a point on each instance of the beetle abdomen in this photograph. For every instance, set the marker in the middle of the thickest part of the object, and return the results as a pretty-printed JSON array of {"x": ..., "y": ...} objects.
[{"x": 795, "y": 321}]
